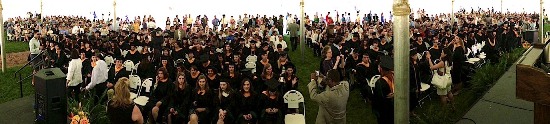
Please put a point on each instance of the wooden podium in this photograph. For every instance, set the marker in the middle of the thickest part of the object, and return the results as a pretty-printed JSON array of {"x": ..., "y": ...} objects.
[{"x": 533, "y": 84}]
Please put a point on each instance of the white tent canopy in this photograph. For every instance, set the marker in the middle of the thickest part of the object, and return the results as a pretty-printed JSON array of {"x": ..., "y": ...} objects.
[{"x": 161, "y": 9}]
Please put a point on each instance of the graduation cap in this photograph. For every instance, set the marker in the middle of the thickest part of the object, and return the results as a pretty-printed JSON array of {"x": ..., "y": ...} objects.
[{"x": 386, "y": 62}]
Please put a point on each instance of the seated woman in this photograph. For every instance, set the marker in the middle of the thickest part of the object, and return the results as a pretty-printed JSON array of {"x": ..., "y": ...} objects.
[
  {"x": 271, "y": 107},
  {"x": 233, "y": 76},
  {"x": 246, "y": 104},
  {"x": 225, "y": 102},
  {"x": 268, "y": 78},
  {"x": 162, "y": 90},
  {"x": 121, "y": 110},
  {"x": 179, "y": 103},
  {"x": 193, "y": 76},
  {"x": 212, "y": 78},
  {"x": 116, "y": 73},
  {"x": 201, "y": 101},
  {"x": 290, "y": 79}
]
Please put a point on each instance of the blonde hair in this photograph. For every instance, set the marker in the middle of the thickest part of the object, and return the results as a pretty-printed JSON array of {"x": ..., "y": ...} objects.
[
  {"x": 122, "y": 93},
  {"x": 324, "y": 51}
]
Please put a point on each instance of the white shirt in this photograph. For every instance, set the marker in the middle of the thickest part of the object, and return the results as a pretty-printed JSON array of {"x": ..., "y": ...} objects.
[
  {"x": 76, "y": 30},
  {"x": 225, "y": 21},
  {"x": 34, "y": 46},
  {"x": 274, "y": 38},
  {"x": 314, "y": 37},
  {"x": 151, "y": 24},
  {"x": 282, "y": 42},
  {"x": 99, "y": 74},
  {"x": 74, "y": 72}
]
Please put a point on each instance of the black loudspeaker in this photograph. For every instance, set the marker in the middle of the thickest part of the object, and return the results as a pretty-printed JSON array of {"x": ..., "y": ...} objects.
[
  {"x": 51, "y": 96},
  {"x": 531, "y": 36}
]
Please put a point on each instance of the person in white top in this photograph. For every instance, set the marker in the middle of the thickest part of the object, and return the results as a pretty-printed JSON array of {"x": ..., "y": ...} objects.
[
  {"x": 99, "y": 76},
  {"x": 34, "y": 48},
  {"x": 274, "y": 37},
  {"x": 76, "y": 29},
  {"x": 224, "y": 22},
  {"x": 74, "y": 75},
  {"x": 280, "y": 41}
]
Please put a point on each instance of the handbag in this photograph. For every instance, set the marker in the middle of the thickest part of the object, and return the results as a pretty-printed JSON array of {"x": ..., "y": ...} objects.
[{"x": 442, "y": 81}]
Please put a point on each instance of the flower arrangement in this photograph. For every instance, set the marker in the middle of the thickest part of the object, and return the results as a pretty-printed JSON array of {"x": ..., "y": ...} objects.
[
  {"x": 81, "y": 117},
  {"x": 86, "y": 111}
]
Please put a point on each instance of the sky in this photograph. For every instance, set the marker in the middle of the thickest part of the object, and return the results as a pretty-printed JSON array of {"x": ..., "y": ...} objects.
[{"x": 160, "y": 9}]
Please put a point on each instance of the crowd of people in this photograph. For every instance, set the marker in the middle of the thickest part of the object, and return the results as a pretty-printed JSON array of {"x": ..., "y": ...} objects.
[{"x": 203, "y": 74}]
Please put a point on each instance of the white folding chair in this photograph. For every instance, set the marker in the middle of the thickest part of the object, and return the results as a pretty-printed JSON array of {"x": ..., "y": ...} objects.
[
  {"x": 252, "y": 58},
  {"x": 147, "y": 83},
  {"x": 142, "y": 100},
  {"x": 293, "y": 98},
  {"x": 124, "y": 52},
  {"x": 134, "y": 70},
  {"x": 372, "y": 82},
  {"x": 139, "y": 49},
  {"x": 129, "y": 65},
  {"x": 251, "y": 65},
  {"x": 109, "y": 60},
  {"x": 134, "y": 81}
]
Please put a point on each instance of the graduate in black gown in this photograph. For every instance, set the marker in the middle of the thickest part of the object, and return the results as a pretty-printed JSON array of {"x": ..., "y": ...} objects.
[
  {"x": 180, "y": 101},
  {"x": 382, "y": 102},
  {"x": 224, "y": 101},
  {"x": 116, "y": 72},
  {"x": 160, "y": 97},
  {"x": 202, "y": 101},
  {"x": 247, "y": 104}
]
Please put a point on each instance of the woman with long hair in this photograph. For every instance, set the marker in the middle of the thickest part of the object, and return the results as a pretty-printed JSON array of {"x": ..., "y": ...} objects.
[
  {"x": 225, "y": 102},
  {"x": 247, "y": 101},
  {"x": 121, "y": 109},
  {"x": 201, "y": 101},
  {"x": 458, "y": 58},
  {"x": 445, "y": 64},
  {"x": 162, "y": 90},
  {"x": 267, "y": 77},
  {"x": 180, "y": 101}
]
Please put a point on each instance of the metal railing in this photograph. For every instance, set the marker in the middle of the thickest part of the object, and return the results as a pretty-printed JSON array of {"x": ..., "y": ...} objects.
[{"x": 35, "y": 66}]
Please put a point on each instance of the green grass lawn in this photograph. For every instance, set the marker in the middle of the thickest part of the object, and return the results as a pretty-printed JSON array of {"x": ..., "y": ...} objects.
[
  {"x": 18, "y": 46},
  {"x": 358, "y": 112},
  {"x": 9, "y": 88}
]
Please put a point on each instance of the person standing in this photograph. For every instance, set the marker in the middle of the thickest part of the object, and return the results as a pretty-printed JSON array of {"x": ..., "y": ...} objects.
[
  {"x": 74, "y": 75},
  {"x": 293, "y": 28},
  {"x": 34, "y": 46},
  {"x": 99, "y": 77},
  {"x": 332, "y": 101},
  {"x": 215, "y": 23},
  {"x": 383, "y": 92}
]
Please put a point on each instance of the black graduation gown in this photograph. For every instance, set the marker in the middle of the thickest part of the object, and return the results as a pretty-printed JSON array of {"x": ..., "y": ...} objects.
[
  {"x": 202, "y": 101},
  {"x": 180, "y": 101},
  {"x": 382, "y": 105},
  {"x": 226, "y": 103},
  {"x": 136, "y": 57},
  {"x": 114, "y": 76}
]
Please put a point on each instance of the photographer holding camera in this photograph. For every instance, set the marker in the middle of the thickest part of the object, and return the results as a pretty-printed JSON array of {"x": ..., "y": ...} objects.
[{"x": 333, "y": 100}]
